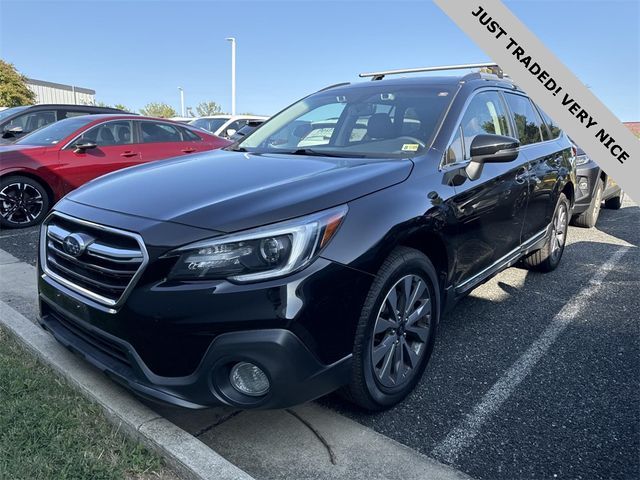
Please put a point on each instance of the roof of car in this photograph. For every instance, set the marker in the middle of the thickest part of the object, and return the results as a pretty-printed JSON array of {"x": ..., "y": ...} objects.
[
  {"x": 71, "y": 105},
  {"x": 224, "y": 115},
  {"x": 133, "y": 116}
]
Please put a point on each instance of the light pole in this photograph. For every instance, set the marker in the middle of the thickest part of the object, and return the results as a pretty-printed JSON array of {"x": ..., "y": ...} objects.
[
  {"x": 181, "y": 101},
  {"x": 233, "y": 74}
]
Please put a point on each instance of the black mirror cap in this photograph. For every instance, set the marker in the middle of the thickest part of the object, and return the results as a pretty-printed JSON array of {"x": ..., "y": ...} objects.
[{"x": 494, "y": 148}]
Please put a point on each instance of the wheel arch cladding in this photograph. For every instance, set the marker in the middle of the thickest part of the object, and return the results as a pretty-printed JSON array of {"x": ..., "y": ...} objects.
[{"x": 433, "y": 246}]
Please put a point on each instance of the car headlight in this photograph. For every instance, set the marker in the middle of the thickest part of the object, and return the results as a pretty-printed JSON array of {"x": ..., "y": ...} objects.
[
  {"x": 582, "y": 159},
  {"x": 261, "y": 253}
]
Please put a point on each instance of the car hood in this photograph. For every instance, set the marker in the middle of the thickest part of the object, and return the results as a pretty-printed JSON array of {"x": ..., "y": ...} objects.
[
  {"x": 18, "y": 148},
  {"x": 230, "y": 191}
]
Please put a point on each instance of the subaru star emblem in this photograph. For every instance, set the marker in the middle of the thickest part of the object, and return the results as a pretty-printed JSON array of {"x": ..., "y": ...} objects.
[{"x": 75, "y": 244}]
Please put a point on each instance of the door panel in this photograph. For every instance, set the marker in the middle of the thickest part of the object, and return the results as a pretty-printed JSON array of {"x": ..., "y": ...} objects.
[
  {"x": 544, "y": 157},
  {"x": 545, "y": 160},
  {"x": 490, "y": 210},
  {"x": 160, "y": 140},
  {"x": 114, "y": 151}
]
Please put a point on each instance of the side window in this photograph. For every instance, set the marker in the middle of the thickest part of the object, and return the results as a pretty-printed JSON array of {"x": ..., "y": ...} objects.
[
  {"x": 33, "y": 121},
  {"x": 110, "y": 133},
  {"x": 527, "y": 120},
  {"x": 153, "y": 132},
  {"x": 485, "y": 113},
  {"x": 553, "y": 126},
  {"x": 189, "y": 135}
]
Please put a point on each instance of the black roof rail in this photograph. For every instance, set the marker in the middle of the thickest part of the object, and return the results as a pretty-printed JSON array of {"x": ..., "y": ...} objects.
[
  {"x": 333, "y": 86},
  {"x": 493, "y": 67}
]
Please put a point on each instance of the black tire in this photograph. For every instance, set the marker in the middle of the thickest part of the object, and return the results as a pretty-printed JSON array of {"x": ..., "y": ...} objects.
[
  {"x": 405, "y": 266},
  {"x": 589, "y": 217},
  {"x": 548, "y": 257},
  {"x": 24, "y": 202},
  {"x": 615, "y": 203}
]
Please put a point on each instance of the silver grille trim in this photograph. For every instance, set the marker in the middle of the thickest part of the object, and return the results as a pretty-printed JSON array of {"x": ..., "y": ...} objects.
[{"x": 105, "y": 272}]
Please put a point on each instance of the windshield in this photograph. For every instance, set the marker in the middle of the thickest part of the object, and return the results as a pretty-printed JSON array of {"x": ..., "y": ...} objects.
[
  {"x": 377, "y": 121},
  {"x": 209, "y": 124},
  {"x": 10, "y": 111},
  {"x": 52, "y": 134}
]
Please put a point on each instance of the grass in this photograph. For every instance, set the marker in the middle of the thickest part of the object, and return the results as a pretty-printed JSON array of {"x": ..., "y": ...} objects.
[{"x": 48, "y": 431}]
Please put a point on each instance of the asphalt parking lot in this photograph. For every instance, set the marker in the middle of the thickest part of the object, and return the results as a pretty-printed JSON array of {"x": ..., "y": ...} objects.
[{"x": 533, "y": 376}]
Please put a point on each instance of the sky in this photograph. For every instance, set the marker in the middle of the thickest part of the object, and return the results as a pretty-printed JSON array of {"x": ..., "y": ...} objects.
[{"x": 140, "y": 51}]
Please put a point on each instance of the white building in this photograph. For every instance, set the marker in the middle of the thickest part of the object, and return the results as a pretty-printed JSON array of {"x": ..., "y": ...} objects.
[{"x": 49, "y": 92}]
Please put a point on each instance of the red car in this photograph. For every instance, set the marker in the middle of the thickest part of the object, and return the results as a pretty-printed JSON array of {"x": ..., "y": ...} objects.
[{"x": 42, "y": 167}]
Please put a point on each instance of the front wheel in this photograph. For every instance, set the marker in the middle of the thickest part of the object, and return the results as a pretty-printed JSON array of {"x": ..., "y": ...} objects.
[
  {"x": 548, "y": 257},
  {"x": 396, "y": 331},
  {"x": 24, "y": 202}
]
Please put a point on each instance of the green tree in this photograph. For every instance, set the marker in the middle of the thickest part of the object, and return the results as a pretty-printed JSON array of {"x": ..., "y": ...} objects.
[
  {"x": 158, "y": 109},
  {"x": 206, "y": 109},
  {"x": 13, "y": 87},
  {"x": 120, "y": 106}
]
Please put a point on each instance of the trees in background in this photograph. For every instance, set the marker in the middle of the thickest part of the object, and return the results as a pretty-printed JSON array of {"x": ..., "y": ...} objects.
[
  {"x": 158, "y": 109},
  {"x": 13, "y": 87},
  {"x": 206, "y": 109}
]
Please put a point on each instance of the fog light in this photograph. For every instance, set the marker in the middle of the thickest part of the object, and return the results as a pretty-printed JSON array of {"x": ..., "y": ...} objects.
[
  {"x": 249, "y": 379},
  {"x": 583, "y": 184}
]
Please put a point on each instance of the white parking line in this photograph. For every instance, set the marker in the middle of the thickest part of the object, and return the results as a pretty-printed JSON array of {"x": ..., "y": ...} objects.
[{"x": 460, "y": 437}]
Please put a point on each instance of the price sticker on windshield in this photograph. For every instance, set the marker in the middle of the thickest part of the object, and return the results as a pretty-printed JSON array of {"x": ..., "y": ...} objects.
[{"x": 410, "y": 147}]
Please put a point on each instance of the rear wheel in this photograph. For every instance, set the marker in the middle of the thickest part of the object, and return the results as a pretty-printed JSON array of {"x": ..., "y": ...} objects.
[
  {"x": 589, "y": 217},
  {"x": 548, "y": 257},
  {"x": 396, "y": 331},
  {"x": 615, "y": 203},
  {"x": 24, "y": 202}
]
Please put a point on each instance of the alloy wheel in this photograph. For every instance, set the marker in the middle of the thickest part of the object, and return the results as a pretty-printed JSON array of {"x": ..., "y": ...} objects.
[
  {"x": 20, "y": 203},
  {"x": 401, "y": 331},
  {"x": 559, "y": 231}
]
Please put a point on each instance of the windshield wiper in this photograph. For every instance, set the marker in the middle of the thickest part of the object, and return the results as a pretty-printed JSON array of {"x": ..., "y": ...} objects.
[
  {"x": 237, "y": 149},
  {"x": 321, "y": 153}
]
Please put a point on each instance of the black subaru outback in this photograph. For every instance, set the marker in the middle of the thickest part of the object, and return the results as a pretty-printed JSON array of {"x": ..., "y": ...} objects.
[{"x": 318, "y": 253}]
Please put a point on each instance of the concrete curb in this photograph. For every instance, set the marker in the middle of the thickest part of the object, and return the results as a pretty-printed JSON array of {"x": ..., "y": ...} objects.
[{"x": 188, "y": 456}]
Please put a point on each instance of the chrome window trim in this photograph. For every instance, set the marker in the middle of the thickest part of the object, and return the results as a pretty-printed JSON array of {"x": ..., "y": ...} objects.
[
  {"x": 442, "y": 166},
  {"x": 112, "y": 305}
]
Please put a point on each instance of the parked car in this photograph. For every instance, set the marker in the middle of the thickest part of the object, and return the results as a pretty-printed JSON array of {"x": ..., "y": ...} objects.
[
  {"x": 268, "y": 274},
  {"x": 593, "y": 187},
  {"x": 249, "y": 127},
  {"x": 182, "y": 119},
  {"x": 17, "y": 122},
  {"x": 224, "y": 125},
  {"x": 40, "y": 168}
]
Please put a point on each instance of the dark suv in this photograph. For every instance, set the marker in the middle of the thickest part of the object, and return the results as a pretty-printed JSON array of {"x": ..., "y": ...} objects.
[
  {"x": 18, "y": 121},
  {"x": 319, "y": 252}
]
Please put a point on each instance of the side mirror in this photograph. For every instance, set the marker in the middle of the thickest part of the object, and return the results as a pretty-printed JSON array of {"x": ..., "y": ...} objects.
[
  {"x": 230, "y": 132},
  {"x": 487, "y": 148},
  {"x": 10, "y": 131},
  {"x": 83, "y": 145}
]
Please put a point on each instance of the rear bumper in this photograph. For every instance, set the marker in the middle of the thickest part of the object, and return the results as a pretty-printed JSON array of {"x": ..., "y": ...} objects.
[{"x": 295, "y": 374}]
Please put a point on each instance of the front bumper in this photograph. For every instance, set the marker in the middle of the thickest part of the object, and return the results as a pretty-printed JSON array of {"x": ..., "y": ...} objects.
[
  {"x": 587, "y": 176},
  {"x": 176, "y": 341},
  {"x": 294, "y": 372}
]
